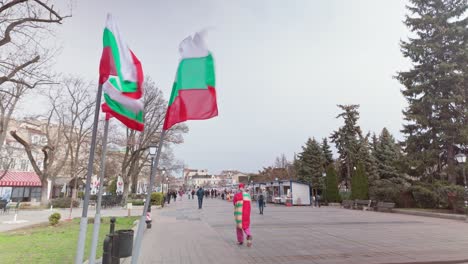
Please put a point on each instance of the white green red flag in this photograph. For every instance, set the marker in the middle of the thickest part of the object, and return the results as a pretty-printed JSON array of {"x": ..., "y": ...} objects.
[
  {"x": 193, "y": 94},
  {"x": 121, "y": 77}
]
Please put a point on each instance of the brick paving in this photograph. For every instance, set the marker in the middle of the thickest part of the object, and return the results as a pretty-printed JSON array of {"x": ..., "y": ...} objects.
[{"x": 183, "y": 234}]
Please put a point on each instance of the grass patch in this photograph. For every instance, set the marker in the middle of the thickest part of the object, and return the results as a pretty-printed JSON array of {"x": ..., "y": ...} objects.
[{"x": 47, "y": 244}]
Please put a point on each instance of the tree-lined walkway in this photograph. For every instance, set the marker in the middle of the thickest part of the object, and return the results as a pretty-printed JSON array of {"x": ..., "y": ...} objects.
[{"x": 183, "y": 234}]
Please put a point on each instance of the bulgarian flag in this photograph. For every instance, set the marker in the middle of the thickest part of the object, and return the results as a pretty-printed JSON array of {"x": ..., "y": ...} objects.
[
  {"x": 121, "y": 77},
  {"x": 193, "y": 94}
]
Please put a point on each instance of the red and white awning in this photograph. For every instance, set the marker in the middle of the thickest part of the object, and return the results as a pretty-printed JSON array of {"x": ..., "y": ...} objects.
[{"x": 20, "y": 178}]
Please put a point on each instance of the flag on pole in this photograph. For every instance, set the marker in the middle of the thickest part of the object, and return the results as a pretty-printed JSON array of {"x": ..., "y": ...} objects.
[
  {"x": 193, "y": 94},
  {"x": 121, "y": 77}
]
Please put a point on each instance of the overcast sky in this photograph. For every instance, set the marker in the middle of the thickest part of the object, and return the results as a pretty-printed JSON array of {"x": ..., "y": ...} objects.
[{"x": 281, "y": 66}]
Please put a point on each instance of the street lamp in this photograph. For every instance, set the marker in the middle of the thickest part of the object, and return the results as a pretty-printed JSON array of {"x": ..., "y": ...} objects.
[
  {"x": 162, "y": 186},
  {"x": 461, "y": 159},
  {"x": 152, "y": 152}
]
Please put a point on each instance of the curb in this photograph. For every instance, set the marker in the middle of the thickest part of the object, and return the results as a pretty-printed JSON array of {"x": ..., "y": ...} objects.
[{"x": 430, "y": 214}]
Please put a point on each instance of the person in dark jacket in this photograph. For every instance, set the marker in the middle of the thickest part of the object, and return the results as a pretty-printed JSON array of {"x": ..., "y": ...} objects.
[
  {"x": 193, "y": 194},
  {"x": 200, "y": 194},
  {"x": 261, "y": 202}
]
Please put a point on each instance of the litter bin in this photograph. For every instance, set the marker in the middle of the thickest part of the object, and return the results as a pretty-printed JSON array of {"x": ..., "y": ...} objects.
[{"x": 125, "y": 242}]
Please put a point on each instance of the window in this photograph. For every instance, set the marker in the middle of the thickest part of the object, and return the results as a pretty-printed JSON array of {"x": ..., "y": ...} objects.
[
  {"x": 17, "y": 192},
  {"x": 12, "y": 163},
  {"x": 35, "y": 139},
  {"x": 24, "y": 165},
  {"x": 36, "y": 192}
]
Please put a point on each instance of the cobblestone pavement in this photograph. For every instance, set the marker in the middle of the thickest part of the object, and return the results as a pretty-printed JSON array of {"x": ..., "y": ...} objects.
[{"x": 183, "y": 234}]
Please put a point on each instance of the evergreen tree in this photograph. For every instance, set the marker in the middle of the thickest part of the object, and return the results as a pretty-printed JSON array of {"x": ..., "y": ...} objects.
[
  {"x": 387, "y": 155},
  {"x": 332, "y": 194},
  {"x": 436, "y": 85},
  {"x": 346, "y": 139},
  {"x": 359, "y": 183},
  {"x": 310, "y": 163},
  {"x": 367, "y": 158},
  {"x": 327, "y": 152},
  {"x": 375, "y": 142}
]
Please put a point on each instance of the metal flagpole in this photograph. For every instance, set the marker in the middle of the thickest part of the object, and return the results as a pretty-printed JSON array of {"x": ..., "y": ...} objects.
[
  {"x": 84, "y": 216},
  {"x": 139, "y": 235},
  {"x": 97, "y": 217}
]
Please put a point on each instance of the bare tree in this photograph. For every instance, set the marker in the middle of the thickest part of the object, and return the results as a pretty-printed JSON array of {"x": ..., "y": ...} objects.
[
  {"x": 73, "y": 104},
  {"x": 24, "y": 60},
  {"x": 281, "y": 162},
  {"x": 137, "y": 143},
  {"x": 55, "y": 152}
]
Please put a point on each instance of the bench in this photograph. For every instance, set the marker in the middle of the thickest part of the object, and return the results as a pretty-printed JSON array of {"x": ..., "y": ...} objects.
[
  {"x": 383, "y": 206},
  {"x": 348, "y": 204},
  {"x": 362, "y": 204}
]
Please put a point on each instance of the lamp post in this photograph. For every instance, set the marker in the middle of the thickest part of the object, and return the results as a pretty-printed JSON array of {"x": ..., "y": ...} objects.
[
  {"x": 152, "y": 152},
  {"x": 163, "y": 172},
  {"x": 461, "y": 159},
  {"x": 324, "y": 175}
]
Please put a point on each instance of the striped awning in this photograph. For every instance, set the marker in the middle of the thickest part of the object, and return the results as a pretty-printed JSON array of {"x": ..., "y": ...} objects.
[{"x": 20, "y": 178}]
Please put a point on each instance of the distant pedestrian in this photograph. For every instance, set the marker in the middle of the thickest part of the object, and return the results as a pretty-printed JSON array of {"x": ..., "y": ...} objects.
[
  {"x": 174, "y": 195},
  {"x": 168, "y": 197},
  {"x": 200, "y": 194},
  {"x": 193, "y": 194},
  {"x": 261, "y": 202},
  {"x": 317, "y": 200},
  {"x": 242, "y": 215}
]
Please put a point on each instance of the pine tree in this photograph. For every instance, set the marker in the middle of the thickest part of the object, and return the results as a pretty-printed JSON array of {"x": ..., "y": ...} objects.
[
  {"x": 367, "y": 158},
  {"x": 332, "y": 194},
  {"x": 436, "y": 86},
  {"x": 346, "y": 139},
  {"x": 388, "y": 155},
  {"x": 327, "y": 152},
  {"x": 310, "y": 163}
]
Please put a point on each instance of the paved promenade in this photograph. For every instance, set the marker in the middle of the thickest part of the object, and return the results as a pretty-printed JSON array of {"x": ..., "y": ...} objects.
[{"x": 183, "y": 234}]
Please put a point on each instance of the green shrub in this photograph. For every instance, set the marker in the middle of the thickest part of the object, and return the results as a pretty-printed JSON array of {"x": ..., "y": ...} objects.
[
  {"x": 136, "y": 202},
  {"x": 63, "y": 202},
  {"x": 359, "y": 183},
  {"x": 156, "y": 198},
  {"x": 345, "y": 196},
  {"x": 112, "y": 186},
  {"x": 135, "y": 196},
  {"x": 331, "y": 194},
  {"x": 424, "y": 197},
  {"x": 54, "y": 219}
]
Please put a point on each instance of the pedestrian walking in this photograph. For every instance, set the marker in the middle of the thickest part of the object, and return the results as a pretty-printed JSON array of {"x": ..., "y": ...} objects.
[
  {"x": 193, "y": 194},
  {"x": 261, "y": 202},
  {"x": 168, "y": 197},
  {"x": 200, "y": 194},
  {"x": 242, "y": 208}
]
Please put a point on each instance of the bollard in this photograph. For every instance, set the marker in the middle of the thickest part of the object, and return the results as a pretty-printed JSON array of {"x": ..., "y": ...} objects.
[
  {"x": 112, "y": 225},
  {"x": 110, "y": 253},
  {"x": 148, "y": 217}
]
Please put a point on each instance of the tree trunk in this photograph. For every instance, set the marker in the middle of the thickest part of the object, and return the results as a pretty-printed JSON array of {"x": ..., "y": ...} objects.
[
  {"x": 451, "y": 175},
  {"x": 44, "y": 195},
  {"x": 134, "y": 183}
]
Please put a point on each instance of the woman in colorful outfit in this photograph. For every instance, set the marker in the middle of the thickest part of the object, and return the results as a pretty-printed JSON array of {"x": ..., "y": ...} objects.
[{"x": 242, "y": 215}]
